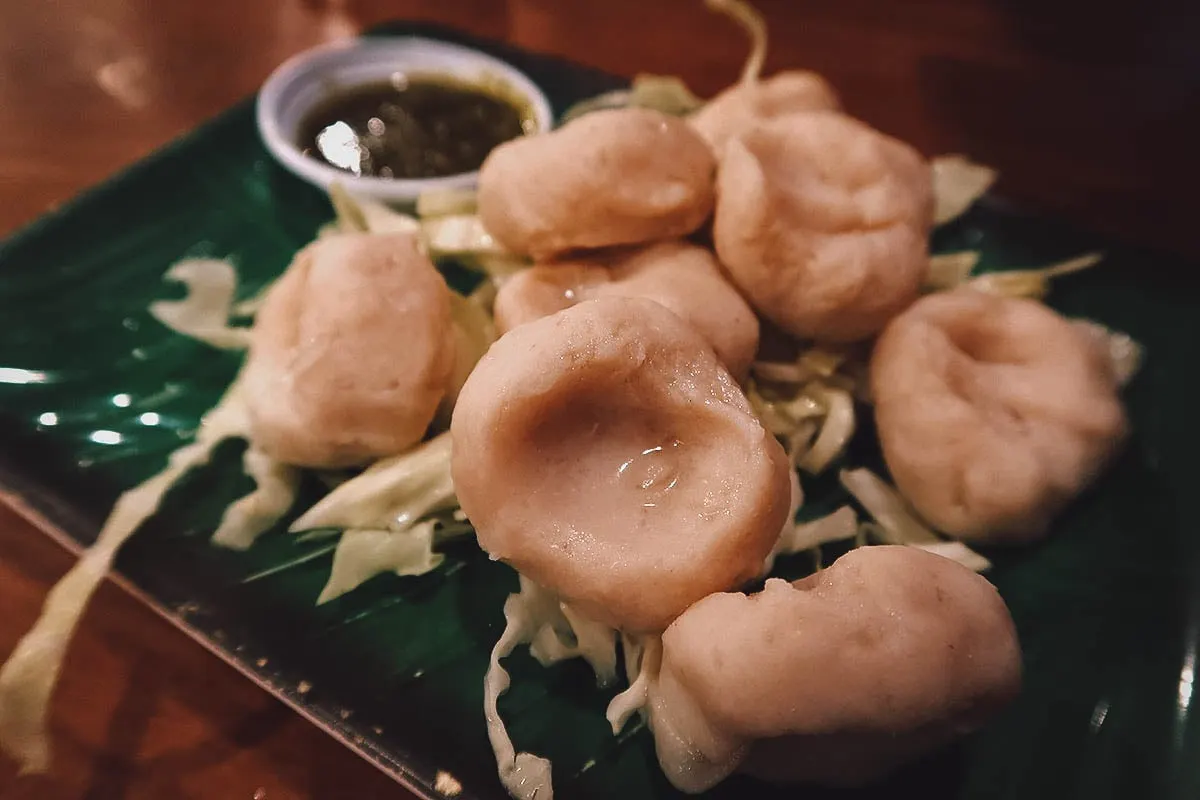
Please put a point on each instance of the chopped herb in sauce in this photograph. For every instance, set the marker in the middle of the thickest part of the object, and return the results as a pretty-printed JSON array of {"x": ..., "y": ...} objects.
[{"x": 412, "y": 127}]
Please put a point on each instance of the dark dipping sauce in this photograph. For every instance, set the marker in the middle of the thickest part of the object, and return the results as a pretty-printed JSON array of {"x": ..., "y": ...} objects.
[{"x": 412, "y": 127}]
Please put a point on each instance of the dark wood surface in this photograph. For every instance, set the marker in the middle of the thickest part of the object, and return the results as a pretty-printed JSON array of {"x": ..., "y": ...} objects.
[{"x": 1091, "y": 111}]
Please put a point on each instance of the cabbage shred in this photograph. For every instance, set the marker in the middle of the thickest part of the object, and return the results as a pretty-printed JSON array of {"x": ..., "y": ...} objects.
[
  {"x": 204, "y": 314},
  {"x": 28, "y": 678}
]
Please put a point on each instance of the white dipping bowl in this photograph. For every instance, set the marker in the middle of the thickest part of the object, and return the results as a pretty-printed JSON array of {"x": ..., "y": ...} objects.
[{"x": 310, "y": 78}]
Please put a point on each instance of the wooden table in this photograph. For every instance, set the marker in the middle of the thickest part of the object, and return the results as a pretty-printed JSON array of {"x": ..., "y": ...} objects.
[{"x": 1090, "y": 110}]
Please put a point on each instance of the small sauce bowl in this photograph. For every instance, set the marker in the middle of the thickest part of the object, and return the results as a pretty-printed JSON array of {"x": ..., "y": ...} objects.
[{"x": 311, "y": 79}]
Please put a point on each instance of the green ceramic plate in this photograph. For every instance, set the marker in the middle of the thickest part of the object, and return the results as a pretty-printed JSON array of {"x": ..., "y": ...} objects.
[{"x": 94, "y": 394}]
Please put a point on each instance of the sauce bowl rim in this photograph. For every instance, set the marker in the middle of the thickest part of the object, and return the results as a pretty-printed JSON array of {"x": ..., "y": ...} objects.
[{"x": 315, "y": 64}]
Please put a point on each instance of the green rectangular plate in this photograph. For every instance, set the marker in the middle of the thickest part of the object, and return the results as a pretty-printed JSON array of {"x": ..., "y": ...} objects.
[{"x": 1107, "y": 608}]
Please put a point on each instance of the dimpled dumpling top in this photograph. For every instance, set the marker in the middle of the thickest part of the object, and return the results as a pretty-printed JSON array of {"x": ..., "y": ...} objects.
[
  {"x": 823, "y": 222},
  {"x": 607, "y": 455},
  {"x": 350, "y": 353},
  {"x": 681, "y": 276},
  {"x": 619, "y": 176},
  {"x": 992, "y": 412},
  {"x": 836, "y": 678},
  {"x": 748, "y": 104}
]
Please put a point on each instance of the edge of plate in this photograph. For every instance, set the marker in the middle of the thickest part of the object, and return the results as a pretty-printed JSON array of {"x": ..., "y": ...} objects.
[{"x": 22, "y": 497}]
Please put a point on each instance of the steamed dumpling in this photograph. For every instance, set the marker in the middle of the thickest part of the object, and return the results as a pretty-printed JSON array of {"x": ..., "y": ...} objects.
[
  {"x": 838, "y": 678},
  {"x": 823, "y": 222},
  {"x": 619, "y": 176},
  {"x": 350, "y": 353},
  {"x": 992, "y": 412},
  {"x": 683, "y": 277},
  {"x": 607, "y": 455},
  {"x": 746, "y": 105}
]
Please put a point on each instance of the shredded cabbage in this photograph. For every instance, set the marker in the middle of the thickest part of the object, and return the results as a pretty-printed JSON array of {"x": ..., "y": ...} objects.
[
  {"x": 1123, "y": 351},
  {"x": 204, "y": 313},
  {"x": 782, "y": 416},
  {"x": 457, "y": 234},
  {"x": 816, "y": 362},
  {"x": 809, "y": 403},
  {"x": 838, "y": 526},
  {"x": 566, "y": 634},
  {"x": 752, "y": 22},
  {"x": 951, "y": 270},
  {"x": 275, "y": 490},
  {"x": 643, "y": 659},
  {"x": 779, "y": 372},
  {"x": 617, "y": 98},
  {"x": 948, "y": 270},
  {"x": 448, "y": 226},
  {"x": 249, "y": 307},
  {"x": 664, "y": 93},
  {"x": 957, "y": 551},
  {"x": 1032, "y": 283},
  {"x": 383, "y": 515},
  {"x": 382, "y": 219},
  {"x": 835, "y": 432},
  {"x": 359, "y": 215},
  {"x": 445, "y": 202},
  {"x": 348, "y": 215},
  {"x": 28, "y": 678},
  {"x": 555, "y": 632},
  {"x": 667, "y": 93},
  {"x": 887, "y": 507},
  {"x": 363, "y": 554},
  {"x": 393, "y": 493},
  {"x": 898, "y": 524},
  {"x": 474, "y": 332},
  {"x": 524, "y": 775},
  {"x": 957, "y": 183},
  {"x": 815, "y": 418}
]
